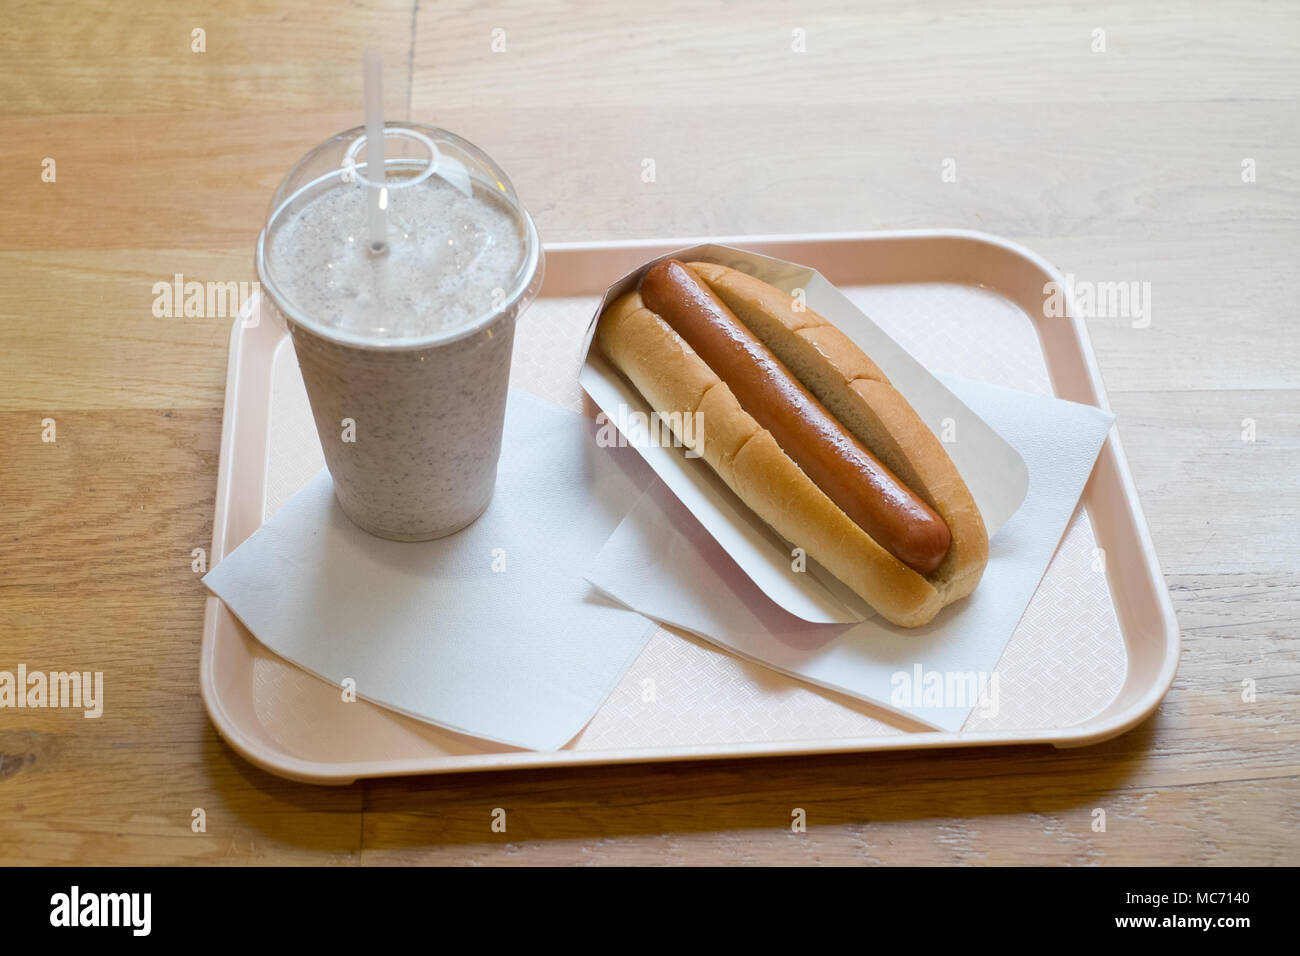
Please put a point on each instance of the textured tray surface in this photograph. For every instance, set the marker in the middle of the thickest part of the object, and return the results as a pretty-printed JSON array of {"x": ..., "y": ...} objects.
[{"x": 1065, "y": 662}]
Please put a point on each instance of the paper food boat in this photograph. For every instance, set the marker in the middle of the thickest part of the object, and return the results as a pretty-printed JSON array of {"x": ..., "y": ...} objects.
[{"x": 993, "y": 470}]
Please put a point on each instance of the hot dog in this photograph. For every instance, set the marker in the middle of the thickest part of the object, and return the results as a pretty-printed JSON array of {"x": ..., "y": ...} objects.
[
  {"x": 849, "y": 474},
  {"x": 805, "y": 429}
]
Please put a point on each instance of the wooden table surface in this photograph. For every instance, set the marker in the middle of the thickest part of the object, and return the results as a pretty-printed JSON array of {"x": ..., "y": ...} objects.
[{"x": 1170, "y": 156}]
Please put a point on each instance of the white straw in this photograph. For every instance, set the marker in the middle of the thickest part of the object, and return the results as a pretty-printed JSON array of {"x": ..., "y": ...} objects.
[{"x": 376, "y": 171}]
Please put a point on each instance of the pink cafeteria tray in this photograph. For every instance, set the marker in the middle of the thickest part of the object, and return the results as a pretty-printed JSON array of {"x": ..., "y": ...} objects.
[{"x": 1092, "y": 656}]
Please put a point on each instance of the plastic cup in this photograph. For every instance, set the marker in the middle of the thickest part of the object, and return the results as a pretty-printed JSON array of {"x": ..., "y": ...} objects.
[{"x": 405, "y": 350}]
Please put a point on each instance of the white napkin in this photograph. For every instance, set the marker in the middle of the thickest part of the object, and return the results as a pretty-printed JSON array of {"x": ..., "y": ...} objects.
[
  {"x": 523, "y": 656},
  {"x": 661, "y": 562}
]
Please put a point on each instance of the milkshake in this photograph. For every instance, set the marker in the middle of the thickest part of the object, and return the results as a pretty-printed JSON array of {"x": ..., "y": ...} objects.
[{"x": 404, "y": 344}]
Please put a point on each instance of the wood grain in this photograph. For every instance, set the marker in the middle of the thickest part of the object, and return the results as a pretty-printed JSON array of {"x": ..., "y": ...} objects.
[{"x": 1117, "y": 166}]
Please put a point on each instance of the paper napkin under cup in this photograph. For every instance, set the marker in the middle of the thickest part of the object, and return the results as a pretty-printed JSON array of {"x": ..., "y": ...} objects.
[
  {"x": 491, "y": 631},
  {"x": 665, "y": 564}
]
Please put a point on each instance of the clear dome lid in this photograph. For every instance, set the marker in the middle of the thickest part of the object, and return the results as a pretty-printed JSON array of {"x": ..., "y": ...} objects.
[{"x": 456, "y": 247}]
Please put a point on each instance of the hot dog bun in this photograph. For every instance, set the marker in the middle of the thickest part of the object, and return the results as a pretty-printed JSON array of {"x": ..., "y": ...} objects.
[
  {"x": 675, "y": 379},
  {"x": 836, "y": 462}
]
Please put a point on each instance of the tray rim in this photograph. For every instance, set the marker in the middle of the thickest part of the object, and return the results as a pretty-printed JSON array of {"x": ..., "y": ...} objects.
[{"x": 1091, "y": 731}]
